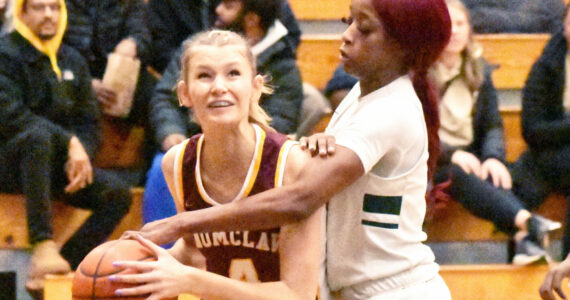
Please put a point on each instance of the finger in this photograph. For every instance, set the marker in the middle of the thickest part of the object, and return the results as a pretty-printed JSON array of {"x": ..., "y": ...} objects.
[
  {"x": 545, "y": 289},
  {"x": 104, "y": 101},
  {"x": 86, "y": 171},
  {"x": 143, "y": 267},
  {"x": 106, "y": 92},
  {"x": 303, "y": 142},
  {"x": 331, "y": 142},
  {"x": 150, "y": 245},
  {"x": 476, "y": 169},
  {"x": 128, "y": 235},
  {"x": 506, "y": 182},
  {"x": 74, "y": 185},
  {"x": 322, "y": 145},
  {"x": 312, "y": 144},
  {"x": 556, "y": 284},
  {"x": 89, "y": 171},
  {"x": 143, "y": 289},
  {"x": 485, "y": 174}
]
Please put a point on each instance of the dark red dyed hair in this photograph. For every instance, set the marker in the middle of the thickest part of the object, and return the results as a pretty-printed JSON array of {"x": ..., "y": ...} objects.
[{"x": 422, "y": 28}]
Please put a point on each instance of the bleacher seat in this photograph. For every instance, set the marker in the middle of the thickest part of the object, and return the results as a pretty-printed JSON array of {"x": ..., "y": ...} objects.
[{"x": 514, "y": 54}]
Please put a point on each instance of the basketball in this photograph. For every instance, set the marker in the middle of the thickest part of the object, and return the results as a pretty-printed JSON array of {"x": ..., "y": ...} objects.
[{"x": 91, "y": 280}]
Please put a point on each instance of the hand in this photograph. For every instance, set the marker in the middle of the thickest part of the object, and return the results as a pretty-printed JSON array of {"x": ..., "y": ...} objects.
[
  {"x": 500, "y": 175},
  {"x": 160, "y": 232},
  {"x": 160, "y": 279},
  {"x": 127, "y": 47},
  {"x": 3, "y": 4},
  {"x": 553, "y": 280},
  {"x": 468, "y": 162},
  {"x": 78, "y": 167},
  {"x": 172, "y": 140},
  {"x": 106, "y": 97},
  {"x": 320, "y": 142}
]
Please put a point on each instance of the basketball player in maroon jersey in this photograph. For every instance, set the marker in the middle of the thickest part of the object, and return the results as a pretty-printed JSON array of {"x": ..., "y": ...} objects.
[{"x": 237, "y": 155}]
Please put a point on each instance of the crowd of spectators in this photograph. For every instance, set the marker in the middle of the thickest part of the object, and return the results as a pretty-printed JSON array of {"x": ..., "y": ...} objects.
[{"x": 52, "y": 97}]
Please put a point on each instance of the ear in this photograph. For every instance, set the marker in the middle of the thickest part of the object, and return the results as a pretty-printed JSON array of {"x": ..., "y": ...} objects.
[
  {"x": 257, "y": 88},
  {"x": 183, "y": 96}
]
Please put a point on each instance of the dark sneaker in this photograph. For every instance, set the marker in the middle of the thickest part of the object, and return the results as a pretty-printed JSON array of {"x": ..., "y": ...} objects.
[
  {"x": 539, "y": 229},
  {"x": 528, "y": 252}
]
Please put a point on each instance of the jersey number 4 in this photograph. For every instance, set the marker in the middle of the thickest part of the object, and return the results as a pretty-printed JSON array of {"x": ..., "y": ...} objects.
[{"x": 243, "y": 269}]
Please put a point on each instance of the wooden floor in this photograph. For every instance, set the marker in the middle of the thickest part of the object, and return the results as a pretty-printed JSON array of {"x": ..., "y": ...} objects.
[{"x": 466, "y": 282}]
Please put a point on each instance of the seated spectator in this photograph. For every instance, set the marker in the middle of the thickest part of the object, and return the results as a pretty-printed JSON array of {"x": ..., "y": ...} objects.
[
  {"x": 472, "y": 155},
  {"x": 545, "y": 167},
  {"x": 257, "y": 21},
  {"x": 471, "y": 164},
  {"x": 516, "y": 16},
  {"x": 98, "y": 28},
  {"x": 48, "y": 134},
  {"x": 6, "y": 25},
  {"x": 172, "y": 21}
]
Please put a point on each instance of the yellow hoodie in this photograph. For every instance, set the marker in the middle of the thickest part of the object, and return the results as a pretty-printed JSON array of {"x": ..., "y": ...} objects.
[{"x": 48, "y": 47}]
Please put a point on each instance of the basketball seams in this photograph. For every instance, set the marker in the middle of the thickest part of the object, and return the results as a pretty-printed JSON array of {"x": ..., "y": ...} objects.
[{"x": 95, "y": 278}]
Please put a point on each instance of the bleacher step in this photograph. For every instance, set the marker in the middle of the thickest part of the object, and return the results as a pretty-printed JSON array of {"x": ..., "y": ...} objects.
[
  {"x": 58, "y": 287},
  {"x": 469, "y": 282},
  {"x": 495, "y": 281}
]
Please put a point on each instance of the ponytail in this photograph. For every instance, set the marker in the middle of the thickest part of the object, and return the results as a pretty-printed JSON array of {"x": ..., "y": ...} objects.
[{"x": 428, "y": 96}]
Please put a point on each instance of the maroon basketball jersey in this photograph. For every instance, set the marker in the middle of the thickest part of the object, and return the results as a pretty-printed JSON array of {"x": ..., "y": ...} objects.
[{"x": 251, "y": 256}]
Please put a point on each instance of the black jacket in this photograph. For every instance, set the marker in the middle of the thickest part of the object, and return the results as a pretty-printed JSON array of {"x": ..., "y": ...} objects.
[
  {"x": 545, "y": 124},
  {"x": 95, "y": 27},
  {"x": 32, "y": 97},
  {"x": 173, "y": 21},
  {"x": 517, "y": 16}
]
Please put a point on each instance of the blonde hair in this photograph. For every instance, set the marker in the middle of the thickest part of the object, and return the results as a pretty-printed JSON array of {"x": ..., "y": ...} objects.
[
  {"x": 221, "y": 38},
  {"x": 473, "y": 67}
]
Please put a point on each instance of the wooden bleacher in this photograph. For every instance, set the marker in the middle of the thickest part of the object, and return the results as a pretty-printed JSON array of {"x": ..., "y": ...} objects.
[
  {"x": 444, "y": 226},
  {"x": 466, "y": 282},
  {"x": 514, "y": 54},
  {"x": 495, "y": 282},
  {"x": 66, "y": 220},
  {"x": 319, "y": 10},
  {"x": 317, "y": 59}
]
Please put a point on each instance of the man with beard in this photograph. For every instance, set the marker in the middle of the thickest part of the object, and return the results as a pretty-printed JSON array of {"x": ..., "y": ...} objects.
[
  {"x": 48, "y": 134},
  {"x": 258, "y": 21}
]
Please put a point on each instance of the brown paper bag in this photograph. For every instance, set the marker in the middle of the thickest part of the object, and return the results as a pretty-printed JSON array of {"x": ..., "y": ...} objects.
[{"x": 121, "y": 76}]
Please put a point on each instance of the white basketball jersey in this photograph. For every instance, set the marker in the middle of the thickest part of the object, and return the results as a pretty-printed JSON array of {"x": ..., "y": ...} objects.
[{"x": 374, "y": 227}]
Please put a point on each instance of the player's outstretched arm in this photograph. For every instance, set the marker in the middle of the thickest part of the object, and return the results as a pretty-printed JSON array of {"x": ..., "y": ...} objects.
[{"x": 318, "y": 181}]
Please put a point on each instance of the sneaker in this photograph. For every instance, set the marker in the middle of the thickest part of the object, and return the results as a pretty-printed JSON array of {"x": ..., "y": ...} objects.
[
  {"x": 539, "y": 229},
  {"x": 528, "y": 252}
]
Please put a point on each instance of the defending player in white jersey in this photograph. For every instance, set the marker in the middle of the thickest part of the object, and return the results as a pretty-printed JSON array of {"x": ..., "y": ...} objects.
[{"x": 378, "y": 173}]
